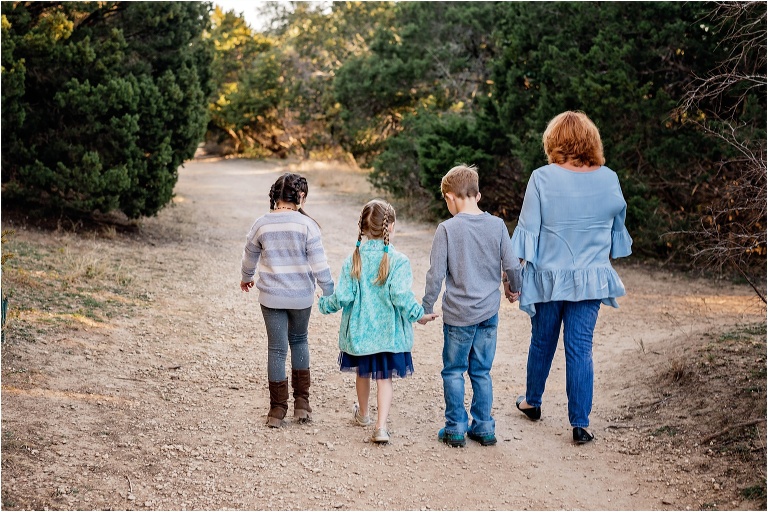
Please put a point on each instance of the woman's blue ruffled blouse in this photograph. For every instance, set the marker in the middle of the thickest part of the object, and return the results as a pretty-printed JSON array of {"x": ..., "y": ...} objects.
[{"x": 570, "y": 225}]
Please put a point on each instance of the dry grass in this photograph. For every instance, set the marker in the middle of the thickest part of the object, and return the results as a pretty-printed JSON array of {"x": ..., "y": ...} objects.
[
  {"x": 344, "y": 178},
  {"x": 59, "y": 279},
  {"x": 717, "y": 389},
  {"x": 679, "y": 372}
]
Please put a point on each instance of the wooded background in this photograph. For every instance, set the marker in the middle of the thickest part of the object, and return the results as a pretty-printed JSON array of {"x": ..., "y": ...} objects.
[{"x": 103, "y": 101}]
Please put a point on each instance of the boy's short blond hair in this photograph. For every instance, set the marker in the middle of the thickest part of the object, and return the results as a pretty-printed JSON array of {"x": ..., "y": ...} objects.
[
  {"x": 461, "y": 181},
  {"x": 573, "y": 137}
]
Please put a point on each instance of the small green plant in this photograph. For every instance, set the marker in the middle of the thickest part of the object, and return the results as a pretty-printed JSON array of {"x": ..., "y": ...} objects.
[
  {"x": 666, "y": 429},
  {"x": 732, "y": 336},
  {"x": 754, "y": 492},
  {"x": 8, "y": 503},
  {"x": 743, "y": 332},
  {"x": 756, "y": 329}
]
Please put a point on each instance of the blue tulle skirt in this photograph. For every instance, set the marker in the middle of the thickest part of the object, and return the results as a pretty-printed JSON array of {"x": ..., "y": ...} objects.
[{"x": 378, "y": 366}]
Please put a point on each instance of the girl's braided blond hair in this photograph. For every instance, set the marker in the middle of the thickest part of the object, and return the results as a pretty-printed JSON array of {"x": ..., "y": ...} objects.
[{"x": 374, "y": 223}]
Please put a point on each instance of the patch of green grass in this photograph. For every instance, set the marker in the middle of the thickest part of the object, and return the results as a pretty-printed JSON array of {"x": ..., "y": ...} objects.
[
  {"x": 741, "y": 449},
  {"x": 754, "y": 492},
  {"x": 732, "y": 336},
  {"x": 666, "y": 429},
  {"x": 709, "y": 506},
  {"x": 8, "y": 502},
  {"x": 756, "y": 329},
  {"x": 23, "y": 250},
  {"x": 92, "y": 303},
  {"x": 89, "y": 307},
  {"x": 89, "y": 313},
  {"x": 744, "y": 332}
]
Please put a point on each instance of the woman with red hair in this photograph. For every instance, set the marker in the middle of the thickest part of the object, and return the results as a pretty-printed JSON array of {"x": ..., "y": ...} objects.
[{"x": 571, "y": 224}]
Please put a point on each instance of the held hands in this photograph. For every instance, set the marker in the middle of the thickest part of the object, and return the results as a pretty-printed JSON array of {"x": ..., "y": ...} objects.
[
  {"x": 509, "y": 294},
  {"x": 246, "y": 286},
  {"x": 425, "y": 319}
]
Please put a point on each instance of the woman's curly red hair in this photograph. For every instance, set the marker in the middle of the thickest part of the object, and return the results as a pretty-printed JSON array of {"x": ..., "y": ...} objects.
[{"x": 573, "y": 137}]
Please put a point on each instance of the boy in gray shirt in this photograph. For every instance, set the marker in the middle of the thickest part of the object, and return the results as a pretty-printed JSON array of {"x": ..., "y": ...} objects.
[{"x": 469, "y": 252}]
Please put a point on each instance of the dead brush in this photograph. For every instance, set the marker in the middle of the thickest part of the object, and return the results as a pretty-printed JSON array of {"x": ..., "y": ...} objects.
[
  {"x": 679, "y": 372},
  {"x": 85, "y": 267},
  {"x": 108, "y": 232}
]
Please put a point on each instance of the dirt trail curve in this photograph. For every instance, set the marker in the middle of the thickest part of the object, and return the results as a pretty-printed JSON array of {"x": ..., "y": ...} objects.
[{"x": 164, "y": 408}]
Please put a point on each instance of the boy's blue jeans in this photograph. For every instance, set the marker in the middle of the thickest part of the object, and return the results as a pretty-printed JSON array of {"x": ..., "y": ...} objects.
[
  {"x": 578, "y": 320},
  {"x": 469, "y": 349}
]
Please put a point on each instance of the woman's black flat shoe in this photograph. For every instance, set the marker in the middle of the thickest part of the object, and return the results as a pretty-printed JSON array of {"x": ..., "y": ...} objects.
[
  {"x": 581, "y": 436},
  {"x": 533, "y": 413}
]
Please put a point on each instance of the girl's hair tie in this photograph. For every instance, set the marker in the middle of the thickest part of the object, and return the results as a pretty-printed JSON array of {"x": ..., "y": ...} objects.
[
  {"x": 386, "y": 248},
  {"x": 357, "y": 244}
]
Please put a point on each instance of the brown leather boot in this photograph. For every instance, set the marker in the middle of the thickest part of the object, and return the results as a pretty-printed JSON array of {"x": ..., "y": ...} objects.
[
  {"x": 302, "y": 412},
  {"x": 278, "y": 403}
]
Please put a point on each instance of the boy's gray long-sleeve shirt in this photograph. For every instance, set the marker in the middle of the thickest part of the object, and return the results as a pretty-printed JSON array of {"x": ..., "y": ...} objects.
[{"x": 469, "y": 253}]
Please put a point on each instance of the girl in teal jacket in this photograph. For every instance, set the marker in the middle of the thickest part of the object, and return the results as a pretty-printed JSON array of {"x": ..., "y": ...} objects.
[{"x": 378, "y": 311}]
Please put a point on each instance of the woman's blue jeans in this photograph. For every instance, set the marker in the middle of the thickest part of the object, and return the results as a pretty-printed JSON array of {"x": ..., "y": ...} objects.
[
  {"x": 469, "y": 349},
  {"x": 286, "y": 328},
  {"x": 578, "y": 320}
]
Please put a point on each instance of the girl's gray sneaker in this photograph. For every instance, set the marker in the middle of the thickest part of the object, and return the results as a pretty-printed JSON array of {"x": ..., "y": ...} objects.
[
  {"x": 363, "y": 421},
  {"x": 380, "y": 435}
]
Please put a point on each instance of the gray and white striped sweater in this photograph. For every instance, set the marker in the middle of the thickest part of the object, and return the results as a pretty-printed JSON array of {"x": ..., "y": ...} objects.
[{"x": 289, "y": 253}]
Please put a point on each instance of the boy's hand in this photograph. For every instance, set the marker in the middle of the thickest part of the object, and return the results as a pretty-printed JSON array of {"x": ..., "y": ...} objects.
[
  {"x": 509, "y": 294},
  {"x": 425, "y": 319},
  {"x": 246, "y": 286}
]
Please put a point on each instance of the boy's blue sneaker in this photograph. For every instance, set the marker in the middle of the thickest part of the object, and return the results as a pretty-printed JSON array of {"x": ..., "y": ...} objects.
[
  {"x": 483, "y": 439},
  {"x": 454, "y": 440}
]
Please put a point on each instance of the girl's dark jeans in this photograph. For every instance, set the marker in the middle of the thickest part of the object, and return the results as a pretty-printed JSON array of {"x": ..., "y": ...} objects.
[{"x": 286, "y": 328}]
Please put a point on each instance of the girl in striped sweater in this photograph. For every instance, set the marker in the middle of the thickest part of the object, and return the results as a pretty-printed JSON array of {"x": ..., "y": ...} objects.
[{"x": 287, "y": 247}]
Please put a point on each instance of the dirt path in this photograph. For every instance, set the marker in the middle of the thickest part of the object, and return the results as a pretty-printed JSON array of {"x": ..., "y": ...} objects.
[{"x": 163, "y": 407}]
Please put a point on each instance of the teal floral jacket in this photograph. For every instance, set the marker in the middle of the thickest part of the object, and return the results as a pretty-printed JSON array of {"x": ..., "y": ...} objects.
[{"x": 375, "y": 318}]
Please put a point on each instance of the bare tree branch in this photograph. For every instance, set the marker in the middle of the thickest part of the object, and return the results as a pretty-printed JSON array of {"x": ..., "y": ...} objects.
[{"x": 732, "y": 229}]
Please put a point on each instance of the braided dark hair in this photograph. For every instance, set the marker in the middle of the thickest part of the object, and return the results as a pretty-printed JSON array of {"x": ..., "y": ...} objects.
[{"x": 289, "y": 188}]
